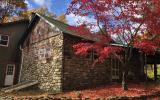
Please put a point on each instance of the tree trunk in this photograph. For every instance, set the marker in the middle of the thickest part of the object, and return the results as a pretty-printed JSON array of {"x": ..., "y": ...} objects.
[
  {"x": 124, "y": 84},
  {"x": 124, "y": 77},
  {"x": 146, "y": 73}
]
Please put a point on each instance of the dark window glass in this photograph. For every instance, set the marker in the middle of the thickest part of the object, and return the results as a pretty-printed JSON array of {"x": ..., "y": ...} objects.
[
  {"x": 10, "y": 70},
  {"x": 4, "y": 40}
]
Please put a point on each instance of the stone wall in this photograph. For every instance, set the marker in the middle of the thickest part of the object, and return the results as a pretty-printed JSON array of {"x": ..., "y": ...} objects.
[
  {"x": 78, "y": 72},
  {"x": 42, "y": 57}
]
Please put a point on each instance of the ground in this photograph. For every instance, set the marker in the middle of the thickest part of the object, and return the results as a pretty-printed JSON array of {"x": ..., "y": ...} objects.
[
  {"x": 116, "y": 90},
  {"x": 108, "y": 90},
  {"x": 103, "y": 91}
]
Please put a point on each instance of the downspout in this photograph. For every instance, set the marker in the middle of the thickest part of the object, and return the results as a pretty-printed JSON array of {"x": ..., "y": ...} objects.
[{"x": 21, "y": 64}]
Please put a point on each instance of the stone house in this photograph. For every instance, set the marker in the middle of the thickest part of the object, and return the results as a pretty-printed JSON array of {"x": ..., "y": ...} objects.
[
  {"x": 45, "y": 54},
  {"x": 49, "y": 58}
]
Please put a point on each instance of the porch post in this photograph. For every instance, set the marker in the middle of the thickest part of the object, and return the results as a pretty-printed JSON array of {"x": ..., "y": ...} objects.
[{"x": 155, "y": 72}]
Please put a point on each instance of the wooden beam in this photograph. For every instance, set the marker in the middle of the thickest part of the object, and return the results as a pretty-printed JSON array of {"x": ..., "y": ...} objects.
[{"x": 19, "y": 86}]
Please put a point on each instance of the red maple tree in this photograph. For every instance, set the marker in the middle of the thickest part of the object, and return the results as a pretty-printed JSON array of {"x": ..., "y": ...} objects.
[{"x": 131, "y": 23}]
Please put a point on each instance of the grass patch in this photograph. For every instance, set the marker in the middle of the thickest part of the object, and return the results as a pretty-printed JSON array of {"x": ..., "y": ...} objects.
[{"x": 150, "y": 71}]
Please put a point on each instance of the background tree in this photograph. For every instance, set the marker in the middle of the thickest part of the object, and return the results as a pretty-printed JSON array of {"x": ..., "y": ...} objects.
[
  {"x": 134, "y": 23},
  {"x": 42, "y": 10},
  {"x": 9, "y": 8},
  {"x": 62, "y": 18}
]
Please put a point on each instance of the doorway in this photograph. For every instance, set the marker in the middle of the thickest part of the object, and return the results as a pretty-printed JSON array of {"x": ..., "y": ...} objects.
[
  {"x": 9, "y": 77},
  {"x": 115, "y": 68}
]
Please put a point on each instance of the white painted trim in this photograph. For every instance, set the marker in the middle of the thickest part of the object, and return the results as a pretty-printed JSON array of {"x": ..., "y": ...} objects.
[
  {"x": 7, "y": 41},
  {"x": 21, "y": 64},
  {"x": 118, "y": 45}
]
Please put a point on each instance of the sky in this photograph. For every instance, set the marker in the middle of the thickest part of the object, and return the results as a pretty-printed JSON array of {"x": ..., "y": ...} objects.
[{"x": 59, "y": 7}]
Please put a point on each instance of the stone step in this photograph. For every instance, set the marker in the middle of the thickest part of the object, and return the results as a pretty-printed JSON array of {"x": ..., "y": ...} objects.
[{"x": 18, "y": 86}]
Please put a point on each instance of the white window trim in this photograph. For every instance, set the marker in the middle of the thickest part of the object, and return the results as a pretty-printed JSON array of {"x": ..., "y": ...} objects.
[{"x": 7, "y": 41}]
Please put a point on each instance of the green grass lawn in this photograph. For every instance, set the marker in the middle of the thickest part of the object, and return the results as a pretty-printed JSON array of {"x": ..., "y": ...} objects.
[{"x": 150, "y": 72}]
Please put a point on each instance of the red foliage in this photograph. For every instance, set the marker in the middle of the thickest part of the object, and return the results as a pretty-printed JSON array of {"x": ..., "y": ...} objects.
[
  {"x": 82, "y": 48},
  {"x": 115, "y": 90},
  {"x": 103, "y": 52},
  {"x": 108, "y": 51},
  {"x": 127, "y": 19},
  {"x": 148, "y": 47}
]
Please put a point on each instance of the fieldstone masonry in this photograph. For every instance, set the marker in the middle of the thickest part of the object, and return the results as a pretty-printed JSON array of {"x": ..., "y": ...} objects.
[{"x": 45, "y": 65}]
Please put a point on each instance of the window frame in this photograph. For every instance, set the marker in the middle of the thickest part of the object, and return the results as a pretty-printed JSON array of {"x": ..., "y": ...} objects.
[
  {"x": 41, "y": 51},
  {"x": 46, "y": 52},
  {"x": 4, "y": 40},
  {"x": 94, "y": 55},
  {"x": 115, "y": 66}
]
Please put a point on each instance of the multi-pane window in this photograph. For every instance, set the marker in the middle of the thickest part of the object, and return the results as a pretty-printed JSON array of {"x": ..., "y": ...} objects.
[
  {"x": 10, "y": 70},
  {"x": 41, "y": 53},
  {"x": 44, "y": 53},
  {"x": 4, "y": 39}
]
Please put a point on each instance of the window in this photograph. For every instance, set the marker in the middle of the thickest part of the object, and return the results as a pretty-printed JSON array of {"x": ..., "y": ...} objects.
[
  {"x": 115, "y": 64},
  {"x": 4, "y": 39},
  {"x": 44, "y": 53},
  {"x": 48, "y": 53},
  {"x": 94, "y": 55},
  {"x": 10, "y": 69}
]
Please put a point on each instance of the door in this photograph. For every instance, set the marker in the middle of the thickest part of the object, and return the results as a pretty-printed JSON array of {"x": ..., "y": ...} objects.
[
  {"x": 10, "y": 70},
  {"x": 115, "y": 69}
]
